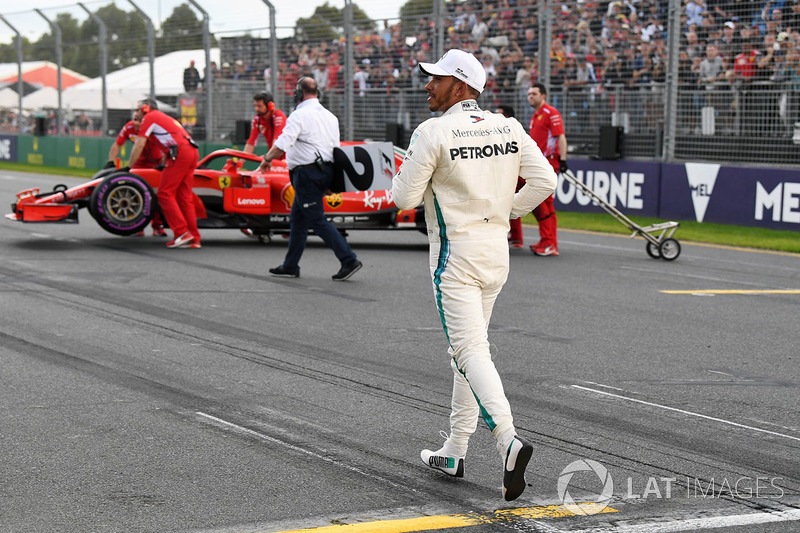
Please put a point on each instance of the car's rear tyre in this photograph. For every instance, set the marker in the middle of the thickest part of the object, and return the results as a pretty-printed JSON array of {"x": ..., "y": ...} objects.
[{"x": 123, "y": 204}]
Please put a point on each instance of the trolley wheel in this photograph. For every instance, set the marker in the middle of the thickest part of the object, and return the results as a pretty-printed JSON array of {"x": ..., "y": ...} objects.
[
  {"x": 670, "y": 249},
  {"x": 653, "y": 250},
  {"x": 264, "y": 238}
]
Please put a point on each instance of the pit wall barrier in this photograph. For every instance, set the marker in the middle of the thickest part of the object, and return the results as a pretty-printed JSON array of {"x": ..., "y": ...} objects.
[
  {"x": 71, "y": 152},
  {"x": 705, "y": 192}
]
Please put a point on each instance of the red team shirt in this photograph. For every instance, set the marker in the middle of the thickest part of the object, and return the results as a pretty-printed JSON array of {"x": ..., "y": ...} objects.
[
  {"x": 270, "y": 127},
  {"x": 745, "y": 65},
  {"x": 152, "y": 153},
  {"x": 545, "y": 127},
  {"x": 160, "y": 127}
]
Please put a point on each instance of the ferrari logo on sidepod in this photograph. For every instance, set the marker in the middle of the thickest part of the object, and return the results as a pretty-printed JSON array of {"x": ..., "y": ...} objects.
[
  {"x": 334, "y": 201},
  {"x": 224, "y": 182}
]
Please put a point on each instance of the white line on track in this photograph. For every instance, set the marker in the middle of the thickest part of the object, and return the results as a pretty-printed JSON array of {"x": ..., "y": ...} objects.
[
  {"x": 683, "y": 411},
  {"x": 692, "y": 524},
  {"x": 295, "y": 448}
]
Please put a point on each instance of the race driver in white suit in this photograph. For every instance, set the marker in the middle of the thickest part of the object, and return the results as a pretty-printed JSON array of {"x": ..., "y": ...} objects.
[{"x": 464, "y": 165}]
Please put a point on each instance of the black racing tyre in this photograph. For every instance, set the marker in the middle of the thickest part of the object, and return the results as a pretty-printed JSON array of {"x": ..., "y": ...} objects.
[
  {"x": 123, "y": 204},
  {"x": 670, "y": 249},
  {"x": 652, "y": 250}
]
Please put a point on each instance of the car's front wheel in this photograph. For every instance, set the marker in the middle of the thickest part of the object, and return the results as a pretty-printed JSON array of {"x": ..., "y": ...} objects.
[{"x": 123, "y": 204}]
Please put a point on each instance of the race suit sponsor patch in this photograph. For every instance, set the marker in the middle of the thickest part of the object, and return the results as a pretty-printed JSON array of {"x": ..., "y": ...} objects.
[{"x": 480, "y": 152}]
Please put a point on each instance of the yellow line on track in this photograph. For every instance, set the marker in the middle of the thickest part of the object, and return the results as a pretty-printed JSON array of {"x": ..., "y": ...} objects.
[
  {"x": 719, "y": 291},
  {"x": 429, "y": 523}
]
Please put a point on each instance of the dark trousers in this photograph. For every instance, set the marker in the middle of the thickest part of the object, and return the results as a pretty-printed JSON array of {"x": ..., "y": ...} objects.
[{"x": 308, "y": 212}]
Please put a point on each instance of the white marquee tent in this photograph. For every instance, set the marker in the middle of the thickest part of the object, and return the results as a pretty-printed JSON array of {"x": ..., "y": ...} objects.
[
  {"x": 124, "y": 87},
  {"x": 168, "y": 72},
  {"x": 44, "y": 98},
  {"x": 8, "y": 98}
]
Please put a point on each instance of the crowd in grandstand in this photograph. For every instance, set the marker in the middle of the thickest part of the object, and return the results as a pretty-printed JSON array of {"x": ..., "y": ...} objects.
[
  {"x": 596, "y": 43},
  {"x": 724, "y": 45}
]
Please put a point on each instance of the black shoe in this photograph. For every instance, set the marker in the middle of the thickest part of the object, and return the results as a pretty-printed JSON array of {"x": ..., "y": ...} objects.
[
  {"x": 346, "y": 272},
  {"x": 517, "y": 456},
  {"x": 282, "y": 272}
]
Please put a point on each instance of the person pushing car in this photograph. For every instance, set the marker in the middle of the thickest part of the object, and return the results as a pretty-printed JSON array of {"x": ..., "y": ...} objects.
[
  {"x": 153, "y": 156},
  {"x": 175, "y": 195}
]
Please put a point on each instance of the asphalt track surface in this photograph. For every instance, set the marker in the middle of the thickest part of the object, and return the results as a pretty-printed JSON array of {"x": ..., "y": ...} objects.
[{"x": 155, "y": 390}]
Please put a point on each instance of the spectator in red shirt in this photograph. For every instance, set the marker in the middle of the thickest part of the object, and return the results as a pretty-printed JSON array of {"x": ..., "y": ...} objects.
[
  {"x": 268, "y": 122},
  {"x": 745, "y": 67}
]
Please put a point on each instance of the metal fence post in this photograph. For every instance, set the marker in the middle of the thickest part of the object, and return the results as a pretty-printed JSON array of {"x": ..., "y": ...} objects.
[
  {"x": 103, "y": 66},
  {"x": 57, "y": 33},
  {"x": 273, "y": 57},
  {"x": 209, "y": 93},
  {"x": 348, "y": 70},
  {"x": 545, "y": 36},
  {"x": 438, "y": 14},
  {"x": 20, "y": 85},
  {"x": 671, "y": 85},
  {"x": 151, "y": 48}
]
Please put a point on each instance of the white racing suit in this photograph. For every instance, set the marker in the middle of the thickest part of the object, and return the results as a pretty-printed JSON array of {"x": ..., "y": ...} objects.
[{"x": 464, "y": 165}]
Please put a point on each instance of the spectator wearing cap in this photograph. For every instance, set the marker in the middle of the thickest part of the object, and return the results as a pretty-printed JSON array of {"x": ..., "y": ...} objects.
[{"x": 730, "y": 43}]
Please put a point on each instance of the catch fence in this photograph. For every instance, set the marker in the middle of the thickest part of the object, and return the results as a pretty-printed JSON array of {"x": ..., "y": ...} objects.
[{"x": 710, "y": 86}]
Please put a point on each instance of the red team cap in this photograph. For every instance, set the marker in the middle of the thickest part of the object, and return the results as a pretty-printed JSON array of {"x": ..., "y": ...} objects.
[{"x": 459, "y": 64}]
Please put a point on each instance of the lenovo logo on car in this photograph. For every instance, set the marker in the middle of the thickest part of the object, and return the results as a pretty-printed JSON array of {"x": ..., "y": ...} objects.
[{"x": 251, "y": 201}]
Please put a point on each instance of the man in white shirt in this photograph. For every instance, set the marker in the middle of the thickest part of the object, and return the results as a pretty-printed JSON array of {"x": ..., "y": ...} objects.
[
  {"x": 464, "y": 166},
  {"x": 308, "y": 139}
]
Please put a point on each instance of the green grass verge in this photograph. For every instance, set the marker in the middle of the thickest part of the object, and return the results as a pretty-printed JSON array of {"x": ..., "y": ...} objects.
[
  {"x": 61, "y": 171},
  {"x": 747, "y": 237}
]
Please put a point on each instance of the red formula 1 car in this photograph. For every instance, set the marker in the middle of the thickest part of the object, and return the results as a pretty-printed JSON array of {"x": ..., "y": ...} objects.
[{"x": 228, "y": 196}]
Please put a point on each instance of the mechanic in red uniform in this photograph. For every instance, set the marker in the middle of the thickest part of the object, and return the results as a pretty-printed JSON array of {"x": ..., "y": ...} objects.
[
  {"x": 175, "y": 196},
  {"x": 547, "y": 130},
  {"x": 268, "y": 121},
  {"x": 153, "y": 156}
]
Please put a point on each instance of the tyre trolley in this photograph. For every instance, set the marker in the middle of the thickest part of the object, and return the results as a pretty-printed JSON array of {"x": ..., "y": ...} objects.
[{"x": 660, "y": 243}]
